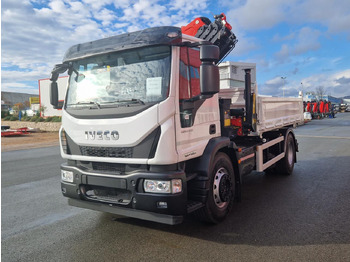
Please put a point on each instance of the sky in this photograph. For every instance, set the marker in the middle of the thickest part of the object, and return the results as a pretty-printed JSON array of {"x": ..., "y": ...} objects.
[{"x": 306, "y": 42}]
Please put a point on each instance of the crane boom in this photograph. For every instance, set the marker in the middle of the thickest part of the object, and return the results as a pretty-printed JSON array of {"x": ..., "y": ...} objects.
[{"x": 217, "y": 32}]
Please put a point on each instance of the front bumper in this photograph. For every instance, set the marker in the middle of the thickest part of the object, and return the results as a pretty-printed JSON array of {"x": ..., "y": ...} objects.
[
  {"x": 145, "y": 215},
  {"x": 124, "y": 194}
]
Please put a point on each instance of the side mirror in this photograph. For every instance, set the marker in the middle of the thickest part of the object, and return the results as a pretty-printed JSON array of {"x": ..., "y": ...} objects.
[
  {"x": 58, "y": 69},
  {"x": 54, "y": 95},
  {"x": 209, "y": 72}
]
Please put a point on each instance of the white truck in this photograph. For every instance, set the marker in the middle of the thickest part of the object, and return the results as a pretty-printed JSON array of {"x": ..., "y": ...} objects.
[{"x": 148, "y": 134}]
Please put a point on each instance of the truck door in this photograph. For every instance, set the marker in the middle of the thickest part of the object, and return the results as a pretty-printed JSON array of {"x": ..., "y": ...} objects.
[{"x": 198, "y": 119}]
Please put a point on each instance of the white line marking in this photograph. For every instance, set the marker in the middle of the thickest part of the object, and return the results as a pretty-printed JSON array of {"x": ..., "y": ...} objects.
[{"x": 332, "y": 137}]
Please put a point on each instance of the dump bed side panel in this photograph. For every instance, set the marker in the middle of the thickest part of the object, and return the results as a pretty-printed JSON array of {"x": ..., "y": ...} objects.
[
  {"x": 277, "y": 112},
  {"x": 272, "y": 112}
]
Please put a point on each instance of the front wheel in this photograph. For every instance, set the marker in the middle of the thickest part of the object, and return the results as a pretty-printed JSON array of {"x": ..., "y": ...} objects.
[{"x": 221, "y": 190}]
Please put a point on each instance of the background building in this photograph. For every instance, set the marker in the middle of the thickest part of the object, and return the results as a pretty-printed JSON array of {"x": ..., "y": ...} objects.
[
  {"x": 232, "y": 74},
  {"x": 308, "y": 97},
  {"x": 11, "y": 98}
]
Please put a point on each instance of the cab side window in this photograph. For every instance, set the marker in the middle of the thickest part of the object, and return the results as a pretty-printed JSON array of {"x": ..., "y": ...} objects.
[
  {"x": 189, "y": 73},
  {"x": 189, "y": 84}
]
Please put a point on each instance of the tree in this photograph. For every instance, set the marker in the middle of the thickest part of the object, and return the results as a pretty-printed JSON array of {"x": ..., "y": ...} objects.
[
  {"x": 27, "y": 104},
  {"x": 15, "y": 109},
  {"x": 20, "y": 106},
  {"x": 42, "y": 110},
  {"x": 320, "y": 92}
]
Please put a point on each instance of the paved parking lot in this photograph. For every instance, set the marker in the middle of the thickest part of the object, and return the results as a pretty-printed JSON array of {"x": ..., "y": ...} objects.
[{"x": 303, "y": 217}]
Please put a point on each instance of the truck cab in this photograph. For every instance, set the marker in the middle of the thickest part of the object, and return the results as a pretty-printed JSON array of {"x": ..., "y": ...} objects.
[{"x": 138, "y": 107}]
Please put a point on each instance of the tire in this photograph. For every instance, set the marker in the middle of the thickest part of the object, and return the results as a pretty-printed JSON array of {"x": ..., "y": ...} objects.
[
  {"x": 286, "y": 165},
  {"x": 221, "y": 191}
]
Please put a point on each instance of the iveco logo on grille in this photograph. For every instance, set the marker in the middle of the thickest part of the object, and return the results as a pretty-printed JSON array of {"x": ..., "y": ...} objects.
[{"x": 102, "y": 135}]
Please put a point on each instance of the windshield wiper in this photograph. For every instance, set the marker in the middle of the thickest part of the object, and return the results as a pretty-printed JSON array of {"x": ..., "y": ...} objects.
[
  {"x": 86, "y": 103},
  {"x": 136, "y": 101},
  {"x": 127, "y": 101}
]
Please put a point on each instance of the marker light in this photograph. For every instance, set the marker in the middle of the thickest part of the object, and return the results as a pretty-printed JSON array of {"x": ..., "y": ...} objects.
[
  {"x": 176, "y": 186},
  {"x": 67, "y": 176},
  {"x": 227, "y": 119},
  {"x": 172, "y": 34},
  {"x": 64, "y": 141}
]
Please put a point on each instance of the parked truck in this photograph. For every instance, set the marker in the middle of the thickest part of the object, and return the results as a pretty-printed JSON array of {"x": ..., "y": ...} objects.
[{"x": 147, "y": 132}]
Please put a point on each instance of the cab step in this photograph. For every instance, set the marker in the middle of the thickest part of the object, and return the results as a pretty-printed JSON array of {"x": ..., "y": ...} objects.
[{"x": 193, "y": 206}]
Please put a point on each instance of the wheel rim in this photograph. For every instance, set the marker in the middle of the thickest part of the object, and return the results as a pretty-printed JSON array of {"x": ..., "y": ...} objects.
[{"x": 222, "y": 188}]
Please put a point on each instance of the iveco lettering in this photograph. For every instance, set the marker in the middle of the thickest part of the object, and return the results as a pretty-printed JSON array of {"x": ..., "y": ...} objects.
[{"x": 102, "y": 135}]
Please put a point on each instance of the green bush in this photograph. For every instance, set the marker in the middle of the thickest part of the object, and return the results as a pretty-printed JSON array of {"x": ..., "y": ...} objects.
[
  {"x": 49, "y": 119},
  {"x": 26, "y": 118},
  {"x": 56, "y": 119},
  {"x": 34, "y": 118},
  {"x": 5, "y": 113},
  {"x": 37, "y": 119},
  {"x": 13, "y": 118},
  {"x": 7, "y": 118}
]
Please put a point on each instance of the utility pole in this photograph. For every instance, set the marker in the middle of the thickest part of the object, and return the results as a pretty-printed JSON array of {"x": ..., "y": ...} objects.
[
  {"x": 302, "y": 89},
  {"x": 284, "y": 79}
]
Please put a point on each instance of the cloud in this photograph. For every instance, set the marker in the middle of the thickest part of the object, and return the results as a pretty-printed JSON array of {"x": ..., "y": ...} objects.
[
  {"x": 20, "y": 87},
  {"x": 278, "y": 38},
  {"x": 306, "y": 40},
  {"x": 274, "y": 86},
  {"x": 186, "y": 8},
  {"x": 277, "y": 81},
  {"x": 255, "y": 15},
  {"x": 335, "y": 15},
  {"x": 343, "y": 81},
  {"x": 336, "y": 84},
  {"x": 28, "y": 75},
  {"x": 97, "y": 5},
  {"x": 283, "y": 54},
  {"x": 46, "y": 34},
  {"x": 36, "y": 33}
]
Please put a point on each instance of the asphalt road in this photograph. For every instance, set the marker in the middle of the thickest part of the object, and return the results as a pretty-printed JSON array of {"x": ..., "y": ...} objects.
[{"x": 303, "y": 217}]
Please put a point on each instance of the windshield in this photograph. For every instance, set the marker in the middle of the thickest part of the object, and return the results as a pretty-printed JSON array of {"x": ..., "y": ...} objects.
[{"x": 134, "y": 77}]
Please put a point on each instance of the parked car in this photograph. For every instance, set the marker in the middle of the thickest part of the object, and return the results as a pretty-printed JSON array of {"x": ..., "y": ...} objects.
[
  {"x": 307, "y": 117},
  {"x": 342, "y": 108},
  {"x": 347, "y": 108},
  {"x": 336, "y": 108}
]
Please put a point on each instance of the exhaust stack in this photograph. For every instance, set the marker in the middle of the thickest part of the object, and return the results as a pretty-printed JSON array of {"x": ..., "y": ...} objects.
[{"x": 248, "y": 122}]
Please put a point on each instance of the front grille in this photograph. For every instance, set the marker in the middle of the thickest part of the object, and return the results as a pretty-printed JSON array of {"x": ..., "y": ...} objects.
[
  {"x": 118, "y": 152},
  {"x": 106, "y": 194},
  {"x": 108, "y": 167}
]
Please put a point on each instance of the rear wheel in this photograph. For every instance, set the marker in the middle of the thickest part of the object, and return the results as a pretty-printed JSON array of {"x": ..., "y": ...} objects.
[
  {"x": 286, "y": 165},
  {"x": 221, "y": 190}
]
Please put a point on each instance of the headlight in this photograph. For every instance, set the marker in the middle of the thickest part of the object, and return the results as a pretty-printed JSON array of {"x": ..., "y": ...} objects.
[
  {"x": 158, "y": 186},
  {"x": 67, "y": 176}
]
